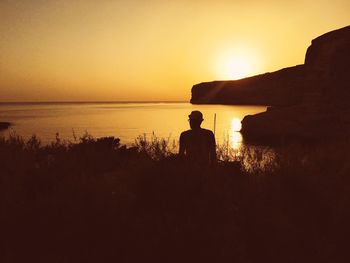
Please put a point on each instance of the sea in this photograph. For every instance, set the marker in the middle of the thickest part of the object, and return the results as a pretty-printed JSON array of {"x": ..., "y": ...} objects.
[{"x": 124, "y": 120}]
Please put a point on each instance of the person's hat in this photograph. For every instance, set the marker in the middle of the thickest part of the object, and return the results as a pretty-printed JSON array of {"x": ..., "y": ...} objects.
[{"x": 196, "y": 115}]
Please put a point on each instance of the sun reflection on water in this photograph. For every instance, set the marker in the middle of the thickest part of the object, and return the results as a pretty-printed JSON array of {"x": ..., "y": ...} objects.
[{"x": 235, "y": 135}]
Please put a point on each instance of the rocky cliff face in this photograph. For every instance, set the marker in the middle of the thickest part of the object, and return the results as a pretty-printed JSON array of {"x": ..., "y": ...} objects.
[
  {"x": 327, "y": 66},
  {"x": 323, "y": 76},
  {"x": 324, "y": 110},
  {"x": 282, "y": 87},
  {"x": 328, "y": 52}
]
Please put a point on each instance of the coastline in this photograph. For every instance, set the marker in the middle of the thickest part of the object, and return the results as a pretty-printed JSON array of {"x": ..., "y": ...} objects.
[{"x": 84, "y": 102}]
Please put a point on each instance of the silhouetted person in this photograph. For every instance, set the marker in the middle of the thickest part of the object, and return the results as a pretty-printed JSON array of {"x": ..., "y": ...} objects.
[{"x": 197, "y": 146}]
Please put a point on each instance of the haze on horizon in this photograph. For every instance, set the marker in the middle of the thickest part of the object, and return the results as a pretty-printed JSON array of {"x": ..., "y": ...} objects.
[{"x": 150, "y": 50}]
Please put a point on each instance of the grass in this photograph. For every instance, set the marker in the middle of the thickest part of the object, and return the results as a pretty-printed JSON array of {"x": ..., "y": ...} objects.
[{"x": 96, "y": 200}]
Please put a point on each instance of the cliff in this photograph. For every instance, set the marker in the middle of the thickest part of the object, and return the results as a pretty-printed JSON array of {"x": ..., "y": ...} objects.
[
  {"x": 327, "y": 66},
  {"x": 282, "y": 87},
  {"x": 324, "y": 110},
  {"x": 315, "y": 96},
  {"x": 326, "y": 63}
]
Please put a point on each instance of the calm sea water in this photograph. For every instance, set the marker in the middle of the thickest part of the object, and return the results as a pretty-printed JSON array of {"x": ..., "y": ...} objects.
[{"x": 123, "y": 120}]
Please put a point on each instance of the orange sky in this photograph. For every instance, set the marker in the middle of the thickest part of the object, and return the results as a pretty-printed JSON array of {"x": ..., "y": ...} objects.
[{"x": 150, "y": 50}]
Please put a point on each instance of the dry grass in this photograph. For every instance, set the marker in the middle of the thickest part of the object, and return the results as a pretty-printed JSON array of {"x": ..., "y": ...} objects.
[{"x": 96, "y": 201}]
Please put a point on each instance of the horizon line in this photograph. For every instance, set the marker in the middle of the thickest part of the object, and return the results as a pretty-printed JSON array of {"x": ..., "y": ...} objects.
[{"x": 96, "y": 102}]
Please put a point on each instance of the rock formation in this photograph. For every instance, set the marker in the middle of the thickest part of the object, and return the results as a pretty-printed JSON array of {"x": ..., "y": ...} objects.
[
  {"x": 4, "y": 125},
  {"x": 309, "y": 100},
  {"x": 327, "y": 64},
  {"x": 324, "y": 109},
  {"x": 278, "y": 88}
]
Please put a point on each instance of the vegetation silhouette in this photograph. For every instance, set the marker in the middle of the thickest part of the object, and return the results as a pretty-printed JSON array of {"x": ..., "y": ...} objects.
[
  {"x": 96, "y": 201},
  {"x": 4, "y": 125}
]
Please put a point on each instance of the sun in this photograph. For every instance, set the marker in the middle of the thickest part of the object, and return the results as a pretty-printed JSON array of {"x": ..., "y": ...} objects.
[
  {"x": 236, "y": 68},
  {"x": 237, "y": 64}
]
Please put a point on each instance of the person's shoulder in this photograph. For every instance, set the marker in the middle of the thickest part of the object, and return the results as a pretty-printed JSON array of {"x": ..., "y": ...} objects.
[
  {"x": 208, "y": 132},
  {"x": 186, "y": 133}
]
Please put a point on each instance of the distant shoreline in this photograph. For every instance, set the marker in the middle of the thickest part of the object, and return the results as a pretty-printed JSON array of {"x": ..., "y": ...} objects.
[
  {"x": 122, "y": 102},
  {"x": 84, "y": 102}
]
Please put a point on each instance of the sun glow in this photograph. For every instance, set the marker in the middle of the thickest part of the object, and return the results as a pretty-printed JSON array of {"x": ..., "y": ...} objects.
[
  {"x": 236, "y": 125},
  {"x": 236, "y": 64},
  {"x": 235, "y": 135}
]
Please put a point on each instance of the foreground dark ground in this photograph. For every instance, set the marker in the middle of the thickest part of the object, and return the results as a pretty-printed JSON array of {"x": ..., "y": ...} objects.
[{"x": 96, "y": 201}]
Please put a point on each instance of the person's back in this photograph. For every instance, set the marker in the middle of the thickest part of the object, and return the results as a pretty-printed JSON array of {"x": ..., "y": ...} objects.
[{"x": 197, "y": 145}]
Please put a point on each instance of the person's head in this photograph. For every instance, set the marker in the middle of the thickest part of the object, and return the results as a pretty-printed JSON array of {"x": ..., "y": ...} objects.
[{"x": 195, "y": 119}]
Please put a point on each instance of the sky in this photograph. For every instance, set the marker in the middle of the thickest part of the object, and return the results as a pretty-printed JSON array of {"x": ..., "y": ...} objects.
[{"x": 150, "y": 50}]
